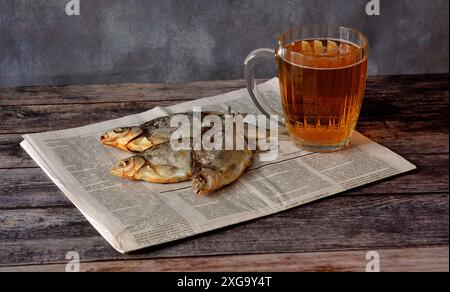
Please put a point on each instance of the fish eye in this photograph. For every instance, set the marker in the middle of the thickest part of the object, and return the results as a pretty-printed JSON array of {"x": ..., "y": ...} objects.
[
  {"x": 118, "y": 130},
  {"x": 202, "y": 178},
  {"x": 124, "y": 163}
]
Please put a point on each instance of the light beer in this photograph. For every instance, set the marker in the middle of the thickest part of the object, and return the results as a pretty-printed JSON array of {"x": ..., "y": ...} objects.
[{"x": 322, "y": 84}]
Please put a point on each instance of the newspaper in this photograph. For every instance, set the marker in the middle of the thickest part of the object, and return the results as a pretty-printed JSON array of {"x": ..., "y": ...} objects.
[{"x": 132, "y": 215}]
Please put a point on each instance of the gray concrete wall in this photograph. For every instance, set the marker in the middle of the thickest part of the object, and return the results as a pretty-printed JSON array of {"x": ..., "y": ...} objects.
[{"x": 175, "y": 40}]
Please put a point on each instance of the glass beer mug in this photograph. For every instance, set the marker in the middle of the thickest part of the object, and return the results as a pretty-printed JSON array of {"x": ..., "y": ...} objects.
[{"x": 322, "y": 72}]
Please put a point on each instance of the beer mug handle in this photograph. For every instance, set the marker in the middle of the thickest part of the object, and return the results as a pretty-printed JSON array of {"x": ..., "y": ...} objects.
[{"x": 258, "y": 98}]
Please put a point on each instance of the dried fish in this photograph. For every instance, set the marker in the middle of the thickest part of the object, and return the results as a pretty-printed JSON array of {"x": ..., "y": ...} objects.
[
  {"x": 159, "y": 164},
  {"x": 145, "y": 136},
  {"x": 209, "y": 170},
  {"x": 213, "y": 169}
]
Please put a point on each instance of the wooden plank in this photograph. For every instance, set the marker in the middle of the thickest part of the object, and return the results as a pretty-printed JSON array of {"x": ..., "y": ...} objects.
[
  {"x": 33, "y": 236},
  {"x": 381, "y": 86},
  {"x": 406, "y": 85},
  {"x": 25, "y": 188},
  {"x": 32, "y": 196},
  {"x": 107, "y": 93},
  {"x": 401, "y": 136},
  {"x": 408, "y": 137},
  {"x": 11, "y": 154},
  {"x": 421, "y": 259},
  {"x": 40, "y": 118}
]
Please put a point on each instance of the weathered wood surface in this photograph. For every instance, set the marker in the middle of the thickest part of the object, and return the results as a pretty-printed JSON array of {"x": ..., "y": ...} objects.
[
  {"x": 406, "y": 216},
  {"x": 338, "y": 223},
  {"x": 107, "y": 93},
  {"x": 391, "y": 260}
]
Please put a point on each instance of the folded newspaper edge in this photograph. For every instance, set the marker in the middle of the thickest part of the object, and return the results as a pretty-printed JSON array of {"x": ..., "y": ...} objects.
[{"x": 134, "y": 215}]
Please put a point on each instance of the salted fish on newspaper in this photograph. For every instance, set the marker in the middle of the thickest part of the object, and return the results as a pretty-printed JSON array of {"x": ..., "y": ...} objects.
[{"x": 158, "y": 164}]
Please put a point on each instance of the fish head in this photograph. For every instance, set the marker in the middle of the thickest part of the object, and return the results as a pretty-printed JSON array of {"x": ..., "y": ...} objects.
[
  {"x": 128, "y": 167},
  {"x": 120, "y": 137},
  {"x": 204, "y": 180}
]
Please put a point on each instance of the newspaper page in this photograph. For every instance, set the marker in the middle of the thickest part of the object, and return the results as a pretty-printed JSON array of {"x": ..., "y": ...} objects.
[{"x": 132, "y": 215}]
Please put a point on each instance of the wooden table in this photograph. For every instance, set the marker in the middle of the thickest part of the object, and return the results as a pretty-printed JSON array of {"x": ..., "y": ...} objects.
[{"x": 405, "y": 219}]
